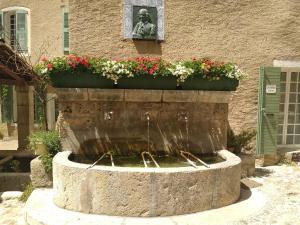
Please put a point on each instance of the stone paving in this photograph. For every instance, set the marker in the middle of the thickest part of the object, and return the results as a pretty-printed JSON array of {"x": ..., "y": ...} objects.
[{"x": 281, "y": 188}]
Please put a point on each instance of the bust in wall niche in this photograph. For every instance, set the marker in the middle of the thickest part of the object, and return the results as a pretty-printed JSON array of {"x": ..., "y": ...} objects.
[{"x": 144, "y": 29}]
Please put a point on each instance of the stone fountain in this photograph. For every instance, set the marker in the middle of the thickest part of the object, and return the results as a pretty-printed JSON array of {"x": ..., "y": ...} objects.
[{"x": 151, "y": 126}]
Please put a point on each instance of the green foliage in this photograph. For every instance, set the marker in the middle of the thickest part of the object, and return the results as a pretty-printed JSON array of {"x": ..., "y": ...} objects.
[
  {"x": 3, "y": 91},
  {"x": 1, "y": 136},
  {"x": 27, "y": 192},
  {"x": 52, "y": 142},
  {"x": 47, "y": 162},
  {"x": 6, "y": 102},
  {"x": 241, "y": 141}
]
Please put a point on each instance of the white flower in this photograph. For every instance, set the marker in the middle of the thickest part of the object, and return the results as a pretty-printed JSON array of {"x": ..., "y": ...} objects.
[
  {"x": 236, "y": 73},
  {"x": 181, "y": 72},
  {"x": 44, "y": 71},
  {"x": 114, "y": 70}
]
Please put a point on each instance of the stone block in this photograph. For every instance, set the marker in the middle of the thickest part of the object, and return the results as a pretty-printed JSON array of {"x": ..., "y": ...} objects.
[
  {"x": 72, "y": 94},
  {"x": 179, "y": 96},
  {"x": 214, "y": 96},
  {"x": 143, "y": 95},
  {"x": 39, "y": 177},
  {"x": 293, "y": 156},
  {"x": 106, "y": 95}
]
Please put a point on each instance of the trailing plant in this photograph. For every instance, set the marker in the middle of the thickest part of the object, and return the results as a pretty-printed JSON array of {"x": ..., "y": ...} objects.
[
  {"x": 241, "y": 141},
  {"x": 117, "y": 69},
  {"x": 27, "y": 192},
  {"x": 52, "y": 143}
]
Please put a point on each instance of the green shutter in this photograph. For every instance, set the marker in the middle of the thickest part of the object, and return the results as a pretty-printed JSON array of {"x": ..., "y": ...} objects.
[
  {"x": 1, "y": 25},
  {"x": 268, "y": 110},
  {"x": 21, "y": 30},
  {"x": 65, "y": 35}
]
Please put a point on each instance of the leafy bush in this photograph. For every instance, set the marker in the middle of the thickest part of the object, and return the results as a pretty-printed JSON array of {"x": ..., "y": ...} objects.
[
  {"x": 52, "y": 142},
  {"x": 27, "y": 192},
  {"x": 1, "y": 136},
  {"x": 241, "y": 141}
]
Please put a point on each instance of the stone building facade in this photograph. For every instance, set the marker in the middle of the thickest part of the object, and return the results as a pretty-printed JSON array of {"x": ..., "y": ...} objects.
[
  {"x": 44, "y": 25},
  {"x": 42, "y": 30},
  {"x": 250, "y": 33}
]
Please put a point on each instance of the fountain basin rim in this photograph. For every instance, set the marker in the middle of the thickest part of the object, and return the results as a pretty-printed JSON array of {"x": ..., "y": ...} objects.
[{"x": 230, "y": 160}]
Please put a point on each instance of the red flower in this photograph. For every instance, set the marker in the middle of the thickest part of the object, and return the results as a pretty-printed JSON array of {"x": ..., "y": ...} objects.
[
  {"x": 78, "y": 59},
  {"x": 151, "y": 72},
  {"x": 50, "y": 66},
  {"x": 84, "y": 62}
]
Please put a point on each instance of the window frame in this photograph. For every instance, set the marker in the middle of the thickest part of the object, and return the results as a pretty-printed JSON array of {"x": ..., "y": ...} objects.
[
  {"x": 16, "y": 8},
  {"x": 288, "y": 71}
]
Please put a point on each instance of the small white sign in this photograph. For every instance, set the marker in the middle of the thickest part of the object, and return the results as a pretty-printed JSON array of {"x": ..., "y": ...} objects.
[{"x": 271, "y": 89}]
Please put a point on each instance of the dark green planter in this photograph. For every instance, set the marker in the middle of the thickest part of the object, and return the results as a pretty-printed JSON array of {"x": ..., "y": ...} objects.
[
  {"x": 197, "y": 83},
  {"x": 80, "y": 80},
  {"x": 148, "y": 82}
]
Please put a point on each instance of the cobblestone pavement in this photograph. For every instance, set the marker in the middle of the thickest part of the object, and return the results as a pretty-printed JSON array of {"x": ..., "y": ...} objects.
[
  {"x": 280, "y": 186},
  {"x": 11, "y": 212}
]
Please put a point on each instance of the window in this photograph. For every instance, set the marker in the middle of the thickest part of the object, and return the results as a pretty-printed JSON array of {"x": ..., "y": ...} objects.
[
  {"x": 289, "y": 108},
  {"x": 14, "y": 28},
  {"x": 65, "y": 34}
]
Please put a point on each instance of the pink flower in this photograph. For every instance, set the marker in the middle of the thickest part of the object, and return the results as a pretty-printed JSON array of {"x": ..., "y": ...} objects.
[{"x": 43, "y": 58}]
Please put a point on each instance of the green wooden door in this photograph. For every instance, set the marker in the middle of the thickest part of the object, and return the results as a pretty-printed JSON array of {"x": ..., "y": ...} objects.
[{"x": 268, "y": 110}]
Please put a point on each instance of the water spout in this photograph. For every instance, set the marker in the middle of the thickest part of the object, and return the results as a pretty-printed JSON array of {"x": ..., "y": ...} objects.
[{"x": 108, "y": 115}]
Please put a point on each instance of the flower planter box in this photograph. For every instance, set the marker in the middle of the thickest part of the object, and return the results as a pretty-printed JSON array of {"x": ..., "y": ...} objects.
[
  {"x": 80, "y": 80},
  {"x": 89, "y": 80},
  {"x": 197, "y": 83},
  {"x": 148, "y": 82}
]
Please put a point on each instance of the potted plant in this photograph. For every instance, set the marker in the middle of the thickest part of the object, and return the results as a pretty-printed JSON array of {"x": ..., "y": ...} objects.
[{"x": 46, "y": 144}]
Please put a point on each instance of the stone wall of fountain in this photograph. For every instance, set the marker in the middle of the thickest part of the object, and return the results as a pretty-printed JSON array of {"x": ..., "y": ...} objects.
[
  {"x": 93, "y": 121},
  {"x": 145, "y": 192}
]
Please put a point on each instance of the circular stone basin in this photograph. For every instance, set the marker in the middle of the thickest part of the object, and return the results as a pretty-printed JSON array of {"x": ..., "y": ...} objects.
[{"x": 137, "y": 191}]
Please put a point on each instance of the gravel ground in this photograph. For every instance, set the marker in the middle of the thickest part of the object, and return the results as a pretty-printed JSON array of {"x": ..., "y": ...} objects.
[{"x": 280, "y": 185}]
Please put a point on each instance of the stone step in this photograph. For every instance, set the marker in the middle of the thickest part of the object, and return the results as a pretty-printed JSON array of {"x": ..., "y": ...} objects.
[{"x": 40, "y": 210}]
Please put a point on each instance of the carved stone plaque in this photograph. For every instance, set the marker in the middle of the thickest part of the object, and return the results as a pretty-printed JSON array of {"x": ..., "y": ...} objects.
[{"x": 144, "y": 19}]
